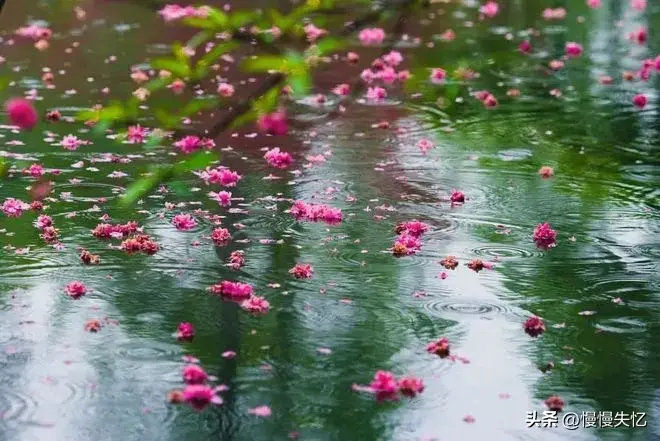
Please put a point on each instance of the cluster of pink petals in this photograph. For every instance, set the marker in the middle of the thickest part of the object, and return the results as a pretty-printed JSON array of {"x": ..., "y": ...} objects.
[
  {"x": 43, "y": 221},
  {"x": 226, "y": 90},
  {"x": 544, "y": 236},
  {"x": 342, "y": 89},
  {"x": 639, "y": 36},
  {"x": 371, "y": 36},
  {"x": 413, "y": 228},
  {"x": 273, "y": 123},
  {"x": 192, "y": 143},
  {"x": 140, "y": 243},
  {"x": 232, "y": 290},
  {"x": 35, "y": 32},
  {"x": 278, "y": 159},
  {"x": 573, "y": 49},
  {"x": 184, "y": 222},
  {"x": 594, "y": 3},
  {"x": 223, "y": 198},
  {"x": 185, "y": 331},
  {"x": 490, "y": 9},
  {"x": 385, "y": 386},
  {"x": 194, "y": 374},
  {"x": 236, "y": 259},
  {"x": 21, "y": 113},
  {"x": 302, "y": 271},
  {"x": 488, "y": 99},
  {"x": 106, "y": 231},
  {"x": 640, "y": 5},
  {"x": 438, "y": 75},
  {"x": 72, "y": 142},
  {"x": 137, "y": 134},
  {"x": 525, "y": 47},
  {"x": 439, "y": 347},
  {"x": 457, "y": 197},
  {"x": 534, "y": 326},
  {"x": 75, "y": 289},
  {"x": 316, "y": 213},
  {"x": 176, "y": 12},
  {"x": 477, "y": 265},
  {"x": 34, "y": 170},
  {"x": 256, "y": 305},
  {"x": 376, "y": 93},
  {"x": 313, "y": 33},
  {"x": 554, "y": 14},
  {"x": 220, "y": 236},
  {"x": 409, "y": 236},
  {"x": 88, "y": 258},
  {"x": 47, "y": 230},
  {"x": 640, "y": 100},
  {"x": 424, "y": 145},
  {"x": 220, "y": 175},
  {"x": 14, "y": 207}
]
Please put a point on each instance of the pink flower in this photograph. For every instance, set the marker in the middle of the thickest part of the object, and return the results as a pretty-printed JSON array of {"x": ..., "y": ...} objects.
[
  {"x": 403, "y": 75},
  {"x": 43, "y": 221},
  {"x": 640, "y": 36},
  {"x": 410, "y": 386},
  {"x": 438, "y": 75},
  {"x": 376, "y": 93},
  {"x": 413, "y": 228},
  {"x": 220, "y": 175},
  {"x": 384, "y": 385},
  {"x": 220, "y": 236},
  {"x": 316, "y": 213},
  {"x": 439, "y": 347},
  {"x": 640, "y": 100},
  {"x": 342, "y": 89},
  {"x": 640, "y": 5},
  {"x": 21, "y": 113},
  {"x": 236, "y": 259},
  {"x": 277, "y": 158},
  {"x": 406, "y": 244},
  {"x": 222, "y": 197},
  {"x": 594, "y": 3},
  {"x": 71, "y": 142},
  {"x": 393, "y": 58},
  {"x": 546, "y": 172},
  {"x": 573, "y": 49},
  {"x": 184, "y": 222},
  {"x": 555, "y": 403},
  {"x": 387, "y": 75},
  {"x": 34, "y": 32},
  {"x": 177, "y": 86},
  {"x": 137, "y": 134},
  {"x": 75, "y": 289},
  {"x": 199, "y": 396},
  {"x": 233, "y": 290},
  {"x": 544, "y": 236},
  {"x": 367, "y": 75},
  {"x": 189, "y": 144},
  {"x": 256, "y": 304},
  {"x": 273, "y": 123},
  {"x": 534, "y": 326},
  {"x": 176, "y": 12},
  {"x": 371, "y": 36},
  {"x": 313, "y": 33},
  {"x": 14, "y": 207},
  {"x": 302, "y": 271},
  {"x": 35, "y": 170},
  {"x": 185, "y": 332},
  {"x": 225, "y": 89},
  {"x": 554, "y": 14},
  {"x": 193, "y": 374},
  {"x": 262, "y": 411},
  {"x": 525, "y": 47},
  {"x": 457, "y": 197},
  {"x": 556, "y": 64},
  {"x": 106, "y": 231},
  {"x": 490, "y": 102},
  {"x": 490, "y": 9},
  {"x": 424, "y": 145}
]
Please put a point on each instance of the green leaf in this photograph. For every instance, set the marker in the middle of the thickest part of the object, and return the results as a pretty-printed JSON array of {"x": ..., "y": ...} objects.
[
  {"x": 244, "y": 119},
  {"x": 301, "y": 84},
  {"x": 277, "y": 18},
  {"x": 196, "y": 105},
  {"x": 166, "y": 119},
  {"x": 144, "y": 185},
  {"x": 199, "y": 38},
  {"x": 241, "y": 18},
  {"x": 178, "y": 67},
  {"x": 197, "y": 161},
  {"x": 4, "y": 167},
  {"x": 4, "y": 82},
  {"x": 201, "y": 23},
  {"x": 268, "y": 102},
  {"x": 328, "y": 45},
  {"x": 210, "y": 57},
  {"x": 219, "y": 18},
  {"x": 180, "y": 188},
  {"x": 265, "y": 63}
]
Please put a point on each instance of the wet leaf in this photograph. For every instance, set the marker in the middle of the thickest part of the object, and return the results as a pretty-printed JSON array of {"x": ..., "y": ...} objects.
[
  {"x": 268, "y": 102},
  {"x": 144, "y": 185},
  {"x": 301, "y": 84},
  {"x": 266, "y": 63},
  {"x": 241, "y": 18}
]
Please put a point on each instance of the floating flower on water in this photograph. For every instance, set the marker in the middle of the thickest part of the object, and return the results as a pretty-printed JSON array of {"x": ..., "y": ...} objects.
[
  {"x": 50, "y": 234},
  {"x": 236, "y": 259},
  {"x": 220, "y": 175},
  {"x": 106, "y": 231},
  {"x": 43, "y": 221},
  {"x": 273, "y": 123},
  {"x": 573, "y": 49},
  {"x": 302, "y": 271},
  {"x": 457, "y": 197},
  {"x": 490, "y": 9},
  {"x": 34, "y": 32},
  {"x": 233, "y": 290},
  {"x": 177, "y": 86},
  {"x": 72, "y": 143},
  {"x": 316, "y": 213},
  {"x": 21, "y": 113},
  {"x": 256, "y": 304},
  {"x": 555, "y": 403},
  {"x": 376, "y": 93},
  {"x": 640, "y": 100},
  {"x": 277, "y": 158},
  {"x": 449, "y": 262},
  {"x": 198, "y": 396},
  {"x": 137, "y": 134},
  {"x": 439, "y": 347},
  {"x": 393, "y": 58},
  {"x": 313, "y": 33},
  {"x": 640, "y": 36},
  {"x": 406, "y": 244},
  {"x": 140, "y": 243},
  {"x": 93, "y": 326},
  {"x": 534, "y": 326},
  {"x": 594, "y": 3},
  {"x": 410, "y": 386},
  {"x": 222, "y": 197},
  {"x": 342, "y": 89},
  {"x": 53, "y": 116},
  {"x": 469, "y": 419},
  {"x": 438, "y": 75},
  {"x": 525, "y": 47},
  {"x": 76, "y": 289},
  {"x": 88, "y": 258},
  {"x": 262, "y": 411},
  {"x": 476, "y": 265},
  {"x": 176, "y": 12},
  {"x": 194, "y": 374},
  {"x": 34, "y": 170},
  {"x": 190, "y": 144},
  {"x": 640, "y": 5},
  {"x": 14, "y": 207},
  {"x": 556, "y": 64},
  {"x": 184, "y": 222},
  {"x": 544, "y": 236},
  {"x": 371, "y": 36},
  {"x": 424, "y": 145},
  {"x": 225, "y": 90},
  {"x": 384, "y": 385},
  {"x": 220, "y": 236},
  {"x": 546, "y": 172},
  {"x": 175, "y": 396},
  {"x": 139, "y": 76},
  {"x": 413, "y": 228},
  {"x": 185, "y": 332}
]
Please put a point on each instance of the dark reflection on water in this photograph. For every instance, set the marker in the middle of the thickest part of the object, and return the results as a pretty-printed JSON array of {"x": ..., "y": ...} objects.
[{"x": 59, "y": 382}]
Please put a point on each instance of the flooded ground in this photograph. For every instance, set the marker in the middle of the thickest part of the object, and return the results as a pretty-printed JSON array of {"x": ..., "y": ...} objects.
[{"x": 598, "y": 290}]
